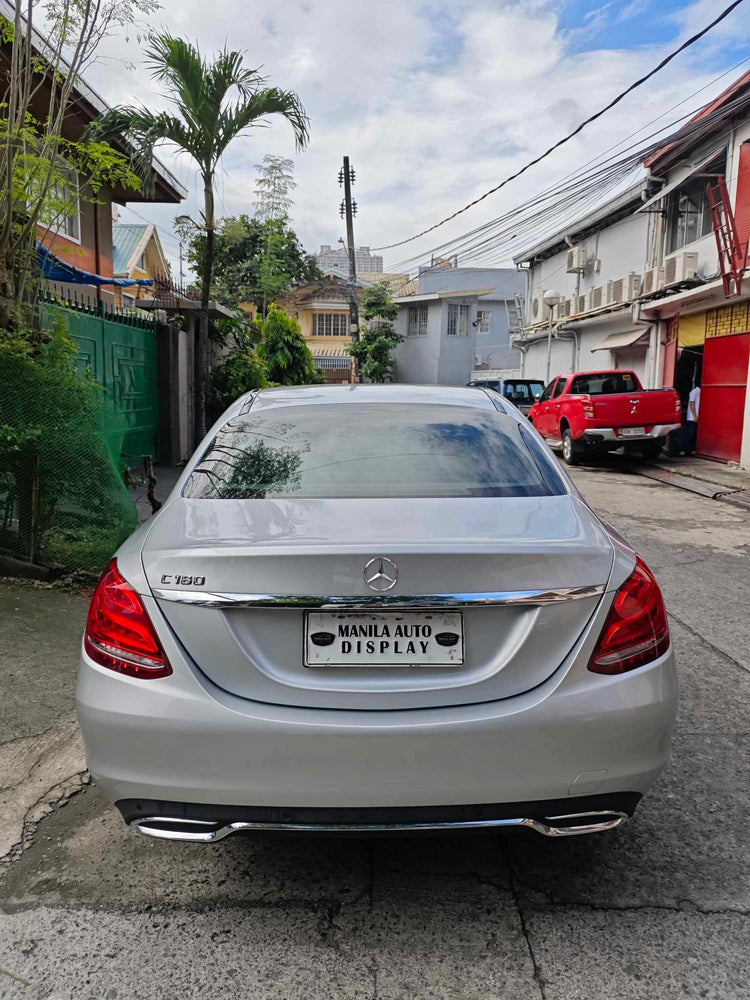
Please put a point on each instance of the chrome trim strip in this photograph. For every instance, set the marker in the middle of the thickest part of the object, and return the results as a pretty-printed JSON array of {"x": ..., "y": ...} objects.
[
  {"x": 607, "y": 819},
  {"x": 528, "y": 598}
]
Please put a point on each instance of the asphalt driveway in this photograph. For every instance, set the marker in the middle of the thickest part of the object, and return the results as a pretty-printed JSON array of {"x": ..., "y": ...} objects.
[{"x": 658, "y": 909}]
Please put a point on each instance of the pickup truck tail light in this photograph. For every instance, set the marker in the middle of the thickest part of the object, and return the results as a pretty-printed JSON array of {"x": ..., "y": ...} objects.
[
  {"x": 588, "y": 406},
  {"x": 636, "y": 630},
  {"x": 119, "y": 632}
]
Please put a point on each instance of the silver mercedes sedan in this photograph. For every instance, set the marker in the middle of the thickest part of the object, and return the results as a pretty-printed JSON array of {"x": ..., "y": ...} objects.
[{"x": 373, "y": 609}]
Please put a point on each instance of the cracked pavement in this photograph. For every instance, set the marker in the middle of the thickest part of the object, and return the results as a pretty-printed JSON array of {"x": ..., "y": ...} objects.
[{"x": 659, "y": 909}]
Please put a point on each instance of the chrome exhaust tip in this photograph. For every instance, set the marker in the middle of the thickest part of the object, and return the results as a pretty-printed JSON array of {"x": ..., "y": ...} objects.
[{"x": 206, "y": 831}]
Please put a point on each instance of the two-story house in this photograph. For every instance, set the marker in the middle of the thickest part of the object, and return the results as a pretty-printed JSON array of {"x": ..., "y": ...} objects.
[
  {"x": 83, "y": 238},
  {"x": 458, "y": 319}
]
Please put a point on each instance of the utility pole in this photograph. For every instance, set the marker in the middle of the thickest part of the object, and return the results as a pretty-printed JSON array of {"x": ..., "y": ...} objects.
[{"x": 348, "y": 210}]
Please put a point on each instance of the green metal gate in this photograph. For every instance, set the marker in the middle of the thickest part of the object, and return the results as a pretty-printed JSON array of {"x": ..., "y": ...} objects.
[{"x": 120, "y": 352}]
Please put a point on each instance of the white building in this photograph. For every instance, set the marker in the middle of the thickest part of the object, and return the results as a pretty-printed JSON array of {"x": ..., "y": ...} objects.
[
  {"x": 337, "y": 257},
  {"x": 596, "y": 266},
  {"x": 459, "y": 320}
]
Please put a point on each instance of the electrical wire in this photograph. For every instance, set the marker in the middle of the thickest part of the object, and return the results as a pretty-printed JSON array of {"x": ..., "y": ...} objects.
[
  {"x": 592, "y": 186},
  {"x": 592, "y": 118}
]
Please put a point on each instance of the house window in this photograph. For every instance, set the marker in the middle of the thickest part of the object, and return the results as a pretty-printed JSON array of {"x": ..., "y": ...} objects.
[
  {"x": 330, "y": 324},
  {"x": 458, "y": 321},
  {"x": 141, "y": 262},
  {"x": 417, "y": 321},
  {"x": 483, "y": 320},
  {"x": 65, "y": 207},
  {"x": 688, "y": 212}
]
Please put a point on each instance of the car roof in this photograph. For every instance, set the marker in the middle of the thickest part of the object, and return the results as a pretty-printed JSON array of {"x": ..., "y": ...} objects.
[
  {"x": 601, "y": 371},
  {"x": 302, "y": 395}
]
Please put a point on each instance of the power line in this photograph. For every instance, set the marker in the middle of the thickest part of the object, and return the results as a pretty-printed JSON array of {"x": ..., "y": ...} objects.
[
  {"x": 564, "y": 198},
  {"x": 685, "y": 45}
]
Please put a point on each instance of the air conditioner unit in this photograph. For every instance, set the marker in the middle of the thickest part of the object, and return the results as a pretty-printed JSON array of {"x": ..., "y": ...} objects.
[
  {"x": 679, "y": 267},
  {"x": 624, "y": 289},
  {"x": 653, "y": 280},
  {"x": 579, "y": 304},
  {"x": 596, "y": 297},
  {"x": 575, "y": 262},
  {"x": 564, "y": 309},
  {"x": 538, "y": 309}
]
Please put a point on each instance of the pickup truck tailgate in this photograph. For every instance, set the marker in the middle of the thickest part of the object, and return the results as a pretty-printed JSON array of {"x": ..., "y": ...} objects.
[{"x": 636, "y": 409}]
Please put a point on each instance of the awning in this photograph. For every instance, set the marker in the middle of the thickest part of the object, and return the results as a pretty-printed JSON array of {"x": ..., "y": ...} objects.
[
  {"x": 55, "y": 269},
  {"x": 618, "y": 340},
  {"x": 673, "y": 185},
  {"x": 692, "y": 330}
]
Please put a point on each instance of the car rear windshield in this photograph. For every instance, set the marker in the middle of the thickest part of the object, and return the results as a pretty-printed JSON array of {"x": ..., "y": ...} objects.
[
  {"x": 522, "y": 391},
  {"x": 604, "y": 384},
  {"x": 371, "y": 450}
]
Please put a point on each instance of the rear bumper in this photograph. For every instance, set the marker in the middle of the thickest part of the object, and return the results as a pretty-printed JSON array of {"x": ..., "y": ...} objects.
[
  {"x": 204, "y": 823},
  {"x": 182, "y": 740},
  {"x": 601, "y": 435}
]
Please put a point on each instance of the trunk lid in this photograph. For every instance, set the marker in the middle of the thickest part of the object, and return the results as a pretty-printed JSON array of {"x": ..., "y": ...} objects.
[{"x": 319, "y": 548}]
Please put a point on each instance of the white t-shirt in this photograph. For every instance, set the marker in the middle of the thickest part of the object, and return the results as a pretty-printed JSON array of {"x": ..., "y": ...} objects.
[{"x": 695, "y": 398}]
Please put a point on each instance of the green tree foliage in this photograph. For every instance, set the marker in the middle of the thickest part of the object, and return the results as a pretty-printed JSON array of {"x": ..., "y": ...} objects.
[
  {"x": 254, "y": 261},
  {"x": 283, "y": 348},
  {"x": 374, "y": 348},
  {"x": 241, "y": 370},
  {"x": 207, "y": 118}
]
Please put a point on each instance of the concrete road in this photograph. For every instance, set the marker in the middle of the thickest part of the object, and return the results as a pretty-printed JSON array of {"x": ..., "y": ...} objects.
[{"x": 659, "y": 909}]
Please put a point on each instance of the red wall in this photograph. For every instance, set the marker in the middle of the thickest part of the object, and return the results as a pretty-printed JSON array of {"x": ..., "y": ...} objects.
[{"x": 742, "y": 203}]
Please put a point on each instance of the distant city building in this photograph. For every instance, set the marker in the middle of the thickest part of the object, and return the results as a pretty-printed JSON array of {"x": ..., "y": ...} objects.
[{"x": 338, "y": 257}]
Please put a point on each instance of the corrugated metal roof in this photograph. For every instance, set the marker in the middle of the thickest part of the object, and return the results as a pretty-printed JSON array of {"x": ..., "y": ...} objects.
[{"x": 125, "y": 240}]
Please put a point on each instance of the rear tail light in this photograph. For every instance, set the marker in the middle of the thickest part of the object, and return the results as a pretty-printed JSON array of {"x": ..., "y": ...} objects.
[
  {"x": 588, "y": 406},
  {"x": 119, "y": 632},
  {"x": 636, "y": 630},
  {"x": 677, "y": 404}
]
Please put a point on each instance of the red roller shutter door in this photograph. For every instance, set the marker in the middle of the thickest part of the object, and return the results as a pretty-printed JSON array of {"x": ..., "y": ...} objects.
[{"x": 724, "y": 384}]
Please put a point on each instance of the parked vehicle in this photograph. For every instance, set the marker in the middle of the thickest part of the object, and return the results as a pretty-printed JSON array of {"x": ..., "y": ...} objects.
[
  {"x": 522, "y": 392},
  {"x": 375, "y": 608},
  {"x": 599, "y": 411}
]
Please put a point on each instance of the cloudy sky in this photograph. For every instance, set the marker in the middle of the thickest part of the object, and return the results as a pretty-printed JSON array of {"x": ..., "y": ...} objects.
[{"x": 433, "y": 102}]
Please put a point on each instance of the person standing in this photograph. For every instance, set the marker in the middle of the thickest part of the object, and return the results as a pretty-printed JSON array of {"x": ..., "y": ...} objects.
[{"x": 694, "y": 405}]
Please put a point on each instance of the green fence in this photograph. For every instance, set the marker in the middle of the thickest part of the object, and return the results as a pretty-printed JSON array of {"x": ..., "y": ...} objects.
[
  {"x": 120, "y": 352},
  {"x": 68, "y": 424}
]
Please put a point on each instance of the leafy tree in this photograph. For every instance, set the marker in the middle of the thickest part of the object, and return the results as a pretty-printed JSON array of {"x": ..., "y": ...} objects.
[
  {"x": 206, "y": 121},
  {"x": 275, "y": 181},
  {"x": 374, "y": 347},
  {"x": 254, "y": 261},
  {"x": 241, "y": 371},
  {"x": 283, "y": 348}
]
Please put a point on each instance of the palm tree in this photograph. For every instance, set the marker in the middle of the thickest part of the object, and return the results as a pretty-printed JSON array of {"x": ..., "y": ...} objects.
[{"x": 205, "y": 122}]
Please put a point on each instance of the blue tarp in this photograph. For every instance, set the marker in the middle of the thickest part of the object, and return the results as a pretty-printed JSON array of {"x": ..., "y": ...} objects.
[{"x": 55, "y": 269}]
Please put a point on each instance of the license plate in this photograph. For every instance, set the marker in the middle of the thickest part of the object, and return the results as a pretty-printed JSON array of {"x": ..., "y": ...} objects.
[
  {"x": 632, "y": 432},
  {"x": 389, "y": 639}
]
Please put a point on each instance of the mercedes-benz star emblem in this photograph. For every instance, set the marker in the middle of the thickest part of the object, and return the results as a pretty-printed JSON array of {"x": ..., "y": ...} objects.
[{"x": 380, "y": 573}]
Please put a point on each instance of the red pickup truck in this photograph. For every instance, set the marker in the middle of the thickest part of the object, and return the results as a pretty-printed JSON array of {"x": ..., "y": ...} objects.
[{"x": 601, "y": 411}]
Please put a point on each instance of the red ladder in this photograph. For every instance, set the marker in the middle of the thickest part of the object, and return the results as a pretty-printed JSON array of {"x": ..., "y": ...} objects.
[{"x": 732, "y": 253}]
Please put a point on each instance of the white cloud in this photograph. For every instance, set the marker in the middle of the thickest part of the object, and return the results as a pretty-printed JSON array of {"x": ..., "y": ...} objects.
[{"x": 433, "y": 103}]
